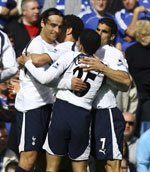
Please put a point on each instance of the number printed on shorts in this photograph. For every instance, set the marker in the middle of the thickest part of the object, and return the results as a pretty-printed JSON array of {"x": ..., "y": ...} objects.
[
  {"x": 89, "y": 76},
  {"x": 103, "y": 150}
]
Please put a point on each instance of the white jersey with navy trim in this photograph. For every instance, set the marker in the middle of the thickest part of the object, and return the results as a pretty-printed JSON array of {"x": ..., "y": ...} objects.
[
  {"x": 7, "y": 58},
  {"x": 61, "y": 49},
  {"x": 33, "y": 94},
  {"x": 68, "y": 64},
  {"x": 115, "y": 60}
]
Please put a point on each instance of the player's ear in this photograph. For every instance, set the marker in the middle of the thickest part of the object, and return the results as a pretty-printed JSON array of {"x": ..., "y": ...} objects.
[
  {"x": 81, "y": 48},
  {"x": 69, "y": 31},
  {"x": 112, "y": 37},
  {"x": 42, "y": 23}
]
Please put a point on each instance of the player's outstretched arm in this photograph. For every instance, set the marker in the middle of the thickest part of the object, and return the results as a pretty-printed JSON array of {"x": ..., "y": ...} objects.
[
  {"x": 37, "y": 59},
  {"x": 47, "y": 76},
  {"x": 41, "y": 59},
  {"x": 116, "y": 75}
]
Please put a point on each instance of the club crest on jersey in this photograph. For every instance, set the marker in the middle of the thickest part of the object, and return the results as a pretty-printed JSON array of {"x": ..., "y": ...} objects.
[
  {"x": 55, "y": 50},
  {"x": 120, "y": 63}
]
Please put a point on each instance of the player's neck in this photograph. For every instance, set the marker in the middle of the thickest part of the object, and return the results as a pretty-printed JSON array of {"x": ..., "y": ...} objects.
[
  {"x": 43, "y": 36},
  {"x": 69, "y": 38}
]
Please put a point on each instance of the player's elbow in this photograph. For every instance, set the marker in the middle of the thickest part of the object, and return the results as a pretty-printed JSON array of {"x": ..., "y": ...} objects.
[
  {"x": 127, "y": 81},
  {"x": 125, "y": 85},
  {"x": 36, "y": 62}
]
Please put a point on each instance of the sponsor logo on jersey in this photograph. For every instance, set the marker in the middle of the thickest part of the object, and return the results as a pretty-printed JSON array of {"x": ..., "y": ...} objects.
[{"x": 56, "y": 65}]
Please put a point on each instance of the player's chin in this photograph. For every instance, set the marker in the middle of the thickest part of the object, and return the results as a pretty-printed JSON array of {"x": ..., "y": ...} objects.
[{"x": 54, "y": 36}]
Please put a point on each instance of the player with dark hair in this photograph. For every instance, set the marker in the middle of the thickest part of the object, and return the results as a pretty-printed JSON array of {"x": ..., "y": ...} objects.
[
  {"x": 108, "y": 122},
  {"x": 34, "y": 100},
  {"x": 71, "y": 118}
]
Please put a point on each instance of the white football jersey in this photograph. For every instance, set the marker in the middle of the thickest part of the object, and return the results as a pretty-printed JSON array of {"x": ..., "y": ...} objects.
[
  {"x": 32, "y": 94},
  {"x": 61, "y": 49},
  {"x": 113, "y": 58},
  {"x": 8, "y": 62},
  {"x": 68, "y": 66}
]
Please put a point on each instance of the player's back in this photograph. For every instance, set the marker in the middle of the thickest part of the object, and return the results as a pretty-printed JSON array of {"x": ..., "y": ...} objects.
[{"x": 93, "y": 80}]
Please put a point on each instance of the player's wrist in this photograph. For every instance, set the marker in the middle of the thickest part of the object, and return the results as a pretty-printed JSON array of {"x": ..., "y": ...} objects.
[
  {"x": 27, "y": 62},
  {"x": 102, "y": 68}
]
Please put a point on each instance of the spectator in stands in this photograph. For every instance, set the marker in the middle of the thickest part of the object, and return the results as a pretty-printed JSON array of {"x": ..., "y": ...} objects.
[
  {"x": 91, "y": 16},
  {"x": 67, "y": 6},
  {"x": 126, "y": 166},
  {"x": 6, "y": 155},
  {"x": 139, "y": 67},
  {"x": 143, "y": 153},
  {"x": 6, "y": 109},
  {"x": 17, "y": 10},
  {"x": 3, "y": 95},
  {"x": 13, "y": 86},
  {"x": 126, "y": 18},
  {"x": 11, "y": 167},
  {"x": 129, "y": 137},
  {"x": 114, "y": 5},
  {"x": 128, "y": 101},
  {"x": 6, "y": 11},
  {"x": 25, "y": 27}
]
